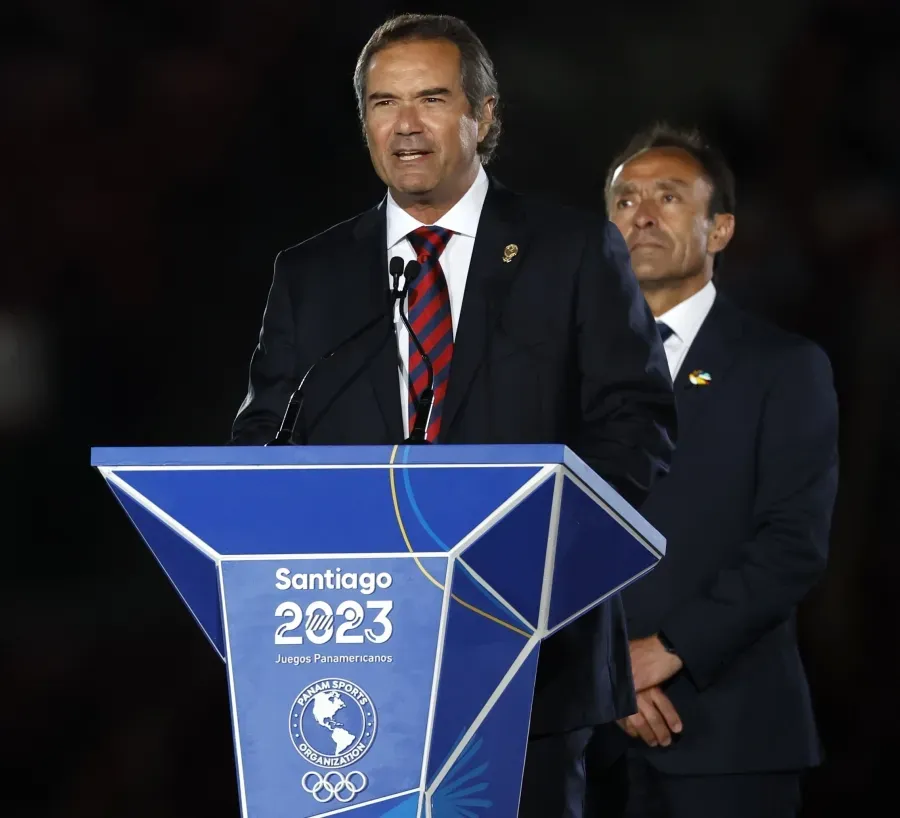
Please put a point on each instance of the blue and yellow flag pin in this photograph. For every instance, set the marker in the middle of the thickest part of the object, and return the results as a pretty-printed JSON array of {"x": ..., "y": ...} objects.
[{"x": 700, "y": 377}]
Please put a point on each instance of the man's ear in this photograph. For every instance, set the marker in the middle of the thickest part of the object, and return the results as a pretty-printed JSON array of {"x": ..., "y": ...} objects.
[
  {"x": 486, "y": 118},
  {"x": 723, "y": 230}
]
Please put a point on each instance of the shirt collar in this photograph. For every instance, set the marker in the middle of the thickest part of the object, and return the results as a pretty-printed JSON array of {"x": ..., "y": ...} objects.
[
  {"x": 685, "y": 318},
  {"x": 462, "y": 218}
]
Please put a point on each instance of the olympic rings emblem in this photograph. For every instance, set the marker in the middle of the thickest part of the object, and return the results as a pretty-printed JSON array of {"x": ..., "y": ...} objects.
[{"x": 334, "y": 785}]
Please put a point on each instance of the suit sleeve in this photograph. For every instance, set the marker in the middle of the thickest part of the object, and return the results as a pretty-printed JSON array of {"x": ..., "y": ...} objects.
[
  {"x": 272, "y": 368},
  {"x": 797, "y": 464},
  {"x": 627, "y": 425}
]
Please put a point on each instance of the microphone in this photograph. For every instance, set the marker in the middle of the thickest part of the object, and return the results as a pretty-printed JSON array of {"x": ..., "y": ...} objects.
[
  {"x": 295, "y": 404},
  {"x": 396, "y": 270},
  {"x": 424, "y": 401}
]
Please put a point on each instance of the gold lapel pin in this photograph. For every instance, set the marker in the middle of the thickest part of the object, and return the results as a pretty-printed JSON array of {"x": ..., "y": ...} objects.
[
  {"x": 700, "y": 378},
  {"x": 509, "y": 252}
]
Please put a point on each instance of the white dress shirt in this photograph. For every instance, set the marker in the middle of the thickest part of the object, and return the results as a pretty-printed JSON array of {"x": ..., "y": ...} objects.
[
  {"x": 462, "y": 219},
  {"x": 685, "y": 320}
]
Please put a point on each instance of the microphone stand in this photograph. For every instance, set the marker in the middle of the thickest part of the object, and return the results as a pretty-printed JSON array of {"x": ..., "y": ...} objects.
[{"x": 285, "y": 436}]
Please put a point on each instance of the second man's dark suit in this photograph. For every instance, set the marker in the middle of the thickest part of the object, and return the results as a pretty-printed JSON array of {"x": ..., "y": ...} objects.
[
  {"x": 746, "y": 511},
  {"x": 555, "y": 345}
]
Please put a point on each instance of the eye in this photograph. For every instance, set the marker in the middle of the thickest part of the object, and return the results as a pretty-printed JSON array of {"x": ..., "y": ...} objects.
[
  {"x": 621, "y": 204},
  {"x": 433, "y": 99},
  {"x": 668, "y": 198}
]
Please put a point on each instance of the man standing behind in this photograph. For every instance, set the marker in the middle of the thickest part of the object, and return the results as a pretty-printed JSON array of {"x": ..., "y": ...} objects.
[
  {"x": 530, "y": 313},
  {"x": 725, "y": 723}
]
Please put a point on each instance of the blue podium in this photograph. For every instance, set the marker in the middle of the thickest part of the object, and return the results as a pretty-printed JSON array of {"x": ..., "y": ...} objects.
[{"x": 380, "y": 610}]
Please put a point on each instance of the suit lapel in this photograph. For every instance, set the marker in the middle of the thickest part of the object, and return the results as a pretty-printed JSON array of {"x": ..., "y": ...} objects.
[
  {"x": 491, "y": 272},
  {"x": 371, "y": 239},
  {"x": 711, "y": 354}
]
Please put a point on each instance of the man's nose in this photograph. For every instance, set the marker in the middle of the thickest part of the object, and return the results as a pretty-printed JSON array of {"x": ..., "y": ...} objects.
[
  {"x": 408, "y": 120},
  {"x": 645, "y": 215}
]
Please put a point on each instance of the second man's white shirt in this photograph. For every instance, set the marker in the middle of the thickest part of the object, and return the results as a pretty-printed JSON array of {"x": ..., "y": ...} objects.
[
  {"x": 463, "y": 220},
  {"x": 685, "y": 320}
]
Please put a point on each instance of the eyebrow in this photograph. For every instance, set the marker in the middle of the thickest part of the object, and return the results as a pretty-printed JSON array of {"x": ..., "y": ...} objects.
[
  {"x": 668, "y": 184},
  {"x": 428, "y": 92},
  {"x": 661, "y": 184},
  {"x": 623, "y": 187},
  {"x": 434, "y": 92}
]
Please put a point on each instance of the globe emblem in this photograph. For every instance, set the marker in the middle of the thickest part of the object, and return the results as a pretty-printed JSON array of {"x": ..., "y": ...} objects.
[{"x": 332, "y": 723}]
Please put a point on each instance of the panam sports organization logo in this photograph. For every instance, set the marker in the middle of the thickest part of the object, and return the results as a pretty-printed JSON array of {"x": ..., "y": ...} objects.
[{"x": 333, "y": 723}]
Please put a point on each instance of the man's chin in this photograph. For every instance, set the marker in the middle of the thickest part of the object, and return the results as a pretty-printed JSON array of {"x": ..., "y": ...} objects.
[
  {"x": 650, "y": 274},
  {"x": 651, "y": 279},
  {"x": 415, "y": 191},
  {"x": 414, "y": 185}
]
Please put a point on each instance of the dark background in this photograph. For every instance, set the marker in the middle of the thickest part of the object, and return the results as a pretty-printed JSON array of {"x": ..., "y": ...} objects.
[{"x": 155, "y": 156}]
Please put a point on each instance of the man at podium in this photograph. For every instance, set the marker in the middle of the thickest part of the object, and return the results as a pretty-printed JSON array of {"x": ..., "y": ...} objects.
[{"x": 521, "y": 322}]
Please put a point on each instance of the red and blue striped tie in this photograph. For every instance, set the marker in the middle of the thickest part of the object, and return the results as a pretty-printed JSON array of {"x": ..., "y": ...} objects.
[{"x": 429, "y": 316}]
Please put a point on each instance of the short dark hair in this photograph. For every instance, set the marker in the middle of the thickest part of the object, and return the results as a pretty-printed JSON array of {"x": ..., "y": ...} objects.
[
  {"x": 477, "y": 70},
  {"x": 690, "y": 140}
]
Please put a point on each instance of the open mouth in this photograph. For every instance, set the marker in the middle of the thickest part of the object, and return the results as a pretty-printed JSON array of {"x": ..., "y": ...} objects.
[{"x": 411, "y": 156}]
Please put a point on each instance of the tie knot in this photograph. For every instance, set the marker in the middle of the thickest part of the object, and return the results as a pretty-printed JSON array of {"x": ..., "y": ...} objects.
[
  {"x": 665, "y": 331},
  {"x": 429, "y": 242}
]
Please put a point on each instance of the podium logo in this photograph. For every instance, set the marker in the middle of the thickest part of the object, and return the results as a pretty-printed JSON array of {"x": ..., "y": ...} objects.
[
  {"x": 333, "y": 723},
  {"x": 335, "y": 785}
]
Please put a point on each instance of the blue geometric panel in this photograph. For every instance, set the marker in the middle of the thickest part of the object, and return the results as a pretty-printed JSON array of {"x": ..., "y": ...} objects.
[
  {"x": 404, "y": 806},
  {"x": 490, "y": 454},
  {"x": 510, "y": 556},
  {"x": 192, "y": 573},
  {"x": 469, "y": 592},
  {"x": 347, "y": 456},
  {"x": 405, "y": 809},
  {"x": 293, "y": 511},
  {"x": 483, "y": 781},
  {"x": 595, "y": 555},
  {"x": 441, "y": 506},
  {"x": 379, "y": 687},
  {"x": 478, "y": 652}
]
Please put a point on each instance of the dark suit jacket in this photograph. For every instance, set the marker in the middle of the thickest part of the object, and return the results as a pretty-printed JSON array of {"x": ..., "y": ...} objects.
[
  {"x": 746, "y": 511},
  {"x": 556, "y": 345}
]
